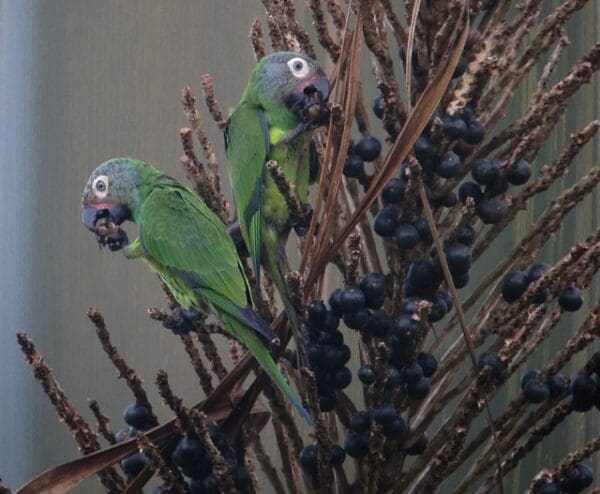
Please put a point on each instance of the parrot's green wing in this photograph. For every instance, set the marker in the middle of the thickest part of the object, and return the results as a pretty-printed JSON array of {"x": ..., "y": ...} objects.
[
  {"x": 189, "y": 242},
  {"x": 247, "y": 146}
]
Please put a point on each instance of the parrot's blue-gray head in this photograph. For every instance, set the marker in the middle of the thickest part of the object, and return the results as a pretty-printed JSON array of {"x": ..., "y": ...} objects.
[
  {"x": 294, "y": 80},
  {"x": 112, "y": 191}
]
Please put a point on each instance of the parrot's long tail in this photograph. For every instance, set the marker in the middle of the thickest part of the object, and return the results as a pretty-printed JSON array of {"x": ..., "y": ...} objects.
[
  {"x": 250, "y": 339},
  {"x": 275, "y": 262}
]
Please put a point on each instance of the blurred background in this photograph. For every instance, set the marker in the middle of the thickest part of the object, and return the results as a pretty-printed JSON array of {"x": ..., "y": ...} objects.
[{"x": 81, "y": 82}]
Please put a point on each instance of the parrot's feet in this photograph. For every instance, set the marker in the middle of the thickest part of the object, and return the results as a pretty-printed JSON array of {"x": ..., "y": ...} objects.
[
  {"x": 302, "y": 223},
  {"x": 274, "y": 344},
  {"x": 182, "y": 321},
  {"x": 117, "y": 240}
]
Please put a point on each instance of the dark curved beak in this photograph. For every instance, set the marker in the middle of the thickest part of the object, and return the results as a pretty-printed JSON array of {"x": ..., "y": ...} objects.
[
  {"x": 318, "y": 86},
  {"x": 118, "y": 213},
  {"x": 310, "y": 94}
]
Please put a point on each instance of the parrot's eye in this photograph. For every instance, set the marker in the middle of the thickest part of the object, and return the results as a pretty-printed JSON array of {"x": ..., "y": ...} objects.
[
  {"x": 100, "y": 186},
  {"x": 299, "y": 67}
]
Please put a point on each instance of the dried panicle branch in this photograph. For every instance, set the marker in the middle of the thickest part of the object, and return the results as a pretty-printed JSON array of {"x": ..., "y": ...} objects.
[
  {"x": 103, "y": 421},
  {"x": 323, "y": 35},
  {"x": 256, "y": 38},
  {"x": 82, "y": 432},
  {"x": 203, "y": 332},
  {"x": 174, "y": 403},
  {"x": 297, "y": 30},
  {"x": 201, "y": 371},
  {"x": 211, "y": 102},
  {"x": 125, "y": 372},
  {"x": 212, "y": 189}
]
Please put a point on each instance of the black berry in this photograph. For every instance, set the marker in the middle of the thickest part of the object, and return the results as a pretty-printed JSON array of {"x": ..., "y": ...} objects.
[
  {"x": 356, "y": 446},
  {"x": 514, "y": 285},
  {"x": 520, "y": 173},
  {"x": 491, "y": 210},
  {"x": 486, "y": 171},
  {"x": 366, "y": 374},
  {"x": 394, "y": 190},
  {"x": 406, "y": 236},
  {"x": 138, "y": 416},
  {"x": 378, "y": 106},
  {"x": 384, "y": 223},
  {"x": 369, "y": 148},
  {"x": 469, "y": 189},
  {"x": 351, "y": 300},
  {"x": 453, "y": 128},
  {"x": 354, "y": 167},
  {"x": 308, "y": 458},
  {"x": 449, "y": 166},
  {"x": 360, "y": 422},
  {"x": 571, "y": 299},
  {"x": 475, "y": 132}
]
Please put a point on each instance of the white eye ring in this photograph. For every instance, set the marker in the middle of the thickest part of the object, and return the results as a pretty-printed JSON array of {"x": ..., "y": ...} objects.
[
  {"x": 298, "y": 67},
  {"x": 100, "y": 186}
]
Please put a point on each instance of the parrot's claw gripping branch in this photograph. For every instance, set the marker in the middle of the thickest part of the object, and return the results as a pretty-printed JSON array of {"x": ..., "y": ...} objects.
[
  {"x": 300, "y": 213},
  {"x": 182, "y": 321}
]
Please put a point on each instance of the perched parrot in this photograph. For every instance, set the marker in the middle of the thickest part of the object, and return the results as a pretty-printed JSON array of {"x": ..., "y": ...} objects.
[
  {"x": 271, "y": 123},
  {"x": 187, "y": 245}
]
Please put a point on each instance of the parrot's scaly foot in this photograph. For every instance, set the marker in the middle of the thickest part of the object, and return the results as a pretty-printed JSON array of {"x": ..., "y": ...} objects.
[
  {"x": 182, "y": 321},
  {"x": 301, "y": 223},
  {"x": 117, "y": 240}
]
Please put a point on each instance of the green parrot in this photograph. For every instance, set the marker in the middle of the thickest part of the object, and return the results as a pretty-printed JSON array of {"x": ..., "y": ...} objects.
[
  {"x": 187, "y": 245},
  {"x": 271, "y": 123}
]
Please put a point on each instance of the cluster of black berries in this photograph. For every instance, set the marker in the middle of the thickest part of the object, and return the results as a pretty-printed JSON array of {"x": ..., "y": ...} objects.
[
  {"x": 488, "y": 173},
  {"x": 359, "y": 306},
  {"x": 367, "y": 149},
  {"x": 459, "y": 127},
  {"x": 389, "y": 221},
  {"x": 390, "y": 422},
  {"x": 407, "y": 233},
  {"x": 516, "y": 282},
  {"x": 190, "y": 455},
  {"x": 537, "y": 390},
  {"x": 392, "y": 426},
  {"x": 573, "y": 481},
  {"x": 138, "y": 418},
  {"x": 327, "y": 354},
  {"x": 405, "y": 370},
  {"x": 194, "y": 459}
]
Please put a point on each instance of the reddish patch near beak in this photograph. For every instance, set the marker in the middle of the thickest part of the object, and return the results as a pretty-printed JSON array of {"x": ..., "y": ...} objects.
[{"x": 99, "y": 205}]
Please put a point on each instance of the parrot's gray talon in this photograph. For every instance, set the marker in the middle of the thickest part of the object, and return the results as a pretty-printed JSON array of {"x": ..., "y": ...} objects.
[
  {"x": 182, "y": 321},
  {"x": 275, "y": 344},
  {"x": 302, "y": 224}
]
